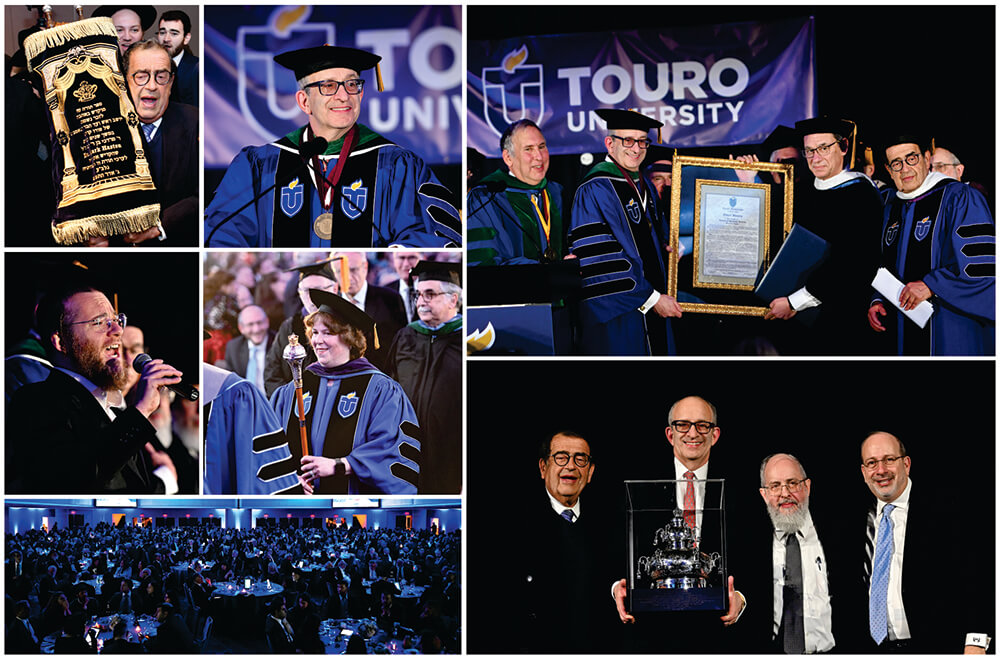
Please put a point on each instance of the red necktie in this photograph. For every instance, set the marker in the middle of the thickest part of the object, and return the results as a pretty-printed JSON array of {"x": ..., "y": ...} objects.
[{"x": 689, "y": 514}]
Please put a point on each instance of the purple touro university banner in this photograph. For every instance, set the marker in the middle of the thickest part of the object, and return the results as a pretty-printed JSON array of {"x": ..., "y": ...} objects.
[
  {"x": 711, "y": 85},
  {"x": 250, "y": 100}
]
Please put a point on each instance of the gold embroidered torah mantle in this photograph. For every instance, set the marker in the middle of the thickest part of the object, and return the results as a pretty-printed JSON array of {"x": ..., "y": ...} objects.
[{"x": 99, "y": 167}]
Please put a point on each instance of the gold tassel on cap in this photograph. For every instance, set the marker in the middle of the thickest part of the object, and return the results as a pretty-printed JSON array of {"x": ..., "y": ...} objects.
[
  {"x": 375, "y": 335},
  {"x": 378, "y": 79}
]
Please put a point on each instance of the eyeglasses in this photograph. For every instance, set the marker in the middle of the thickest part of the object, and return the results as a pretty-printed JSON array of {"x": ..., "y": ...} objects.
[
  {"x": 629, "y": 142},
  {"x": 331, "y": 87},
  {"x": 161, "y": 77},
  {"x": 822, "y": 150},
  {"x": 683, "y": 426},
  {"x": 937, "y": 166},
  {"x": 102, "y": 321},
  {"x": 561, "y": 458},
  {"x": 792, "y": 485},
  {"x": 427, "y": 295},
  {"x": 871, "y": 463},
  {"x": 910, "y": 158}
]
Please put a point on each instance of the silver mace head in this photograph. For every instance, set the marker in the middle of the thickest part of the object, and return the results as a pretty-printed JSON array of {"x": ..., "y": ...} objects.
[{"x": 295, "y": 354}]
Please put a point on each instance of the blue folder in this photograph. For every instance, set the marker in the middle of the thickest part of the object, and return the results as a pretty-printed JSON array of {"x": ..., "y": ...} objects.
[{"x": 801, "y": 253}]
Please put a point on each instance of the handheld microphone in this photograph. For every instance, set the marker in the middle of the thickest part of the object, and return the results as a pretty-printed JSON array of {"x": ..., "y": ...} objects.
[
  {"x": 307, "y": 150},
  {"x": 181, "y": 389}
]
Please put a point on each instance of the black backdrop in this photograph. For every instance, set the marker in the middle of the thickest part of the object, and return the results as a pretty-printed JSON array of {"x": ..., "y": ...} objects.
[
  {"x": 157, "y": 291},
  {"x": 820, "y": 411}
]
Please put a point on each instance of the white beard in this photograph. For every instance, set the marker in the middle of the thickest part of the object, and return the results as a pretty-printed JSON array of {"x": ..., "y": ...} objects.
[{"x": 789, "y": 522}]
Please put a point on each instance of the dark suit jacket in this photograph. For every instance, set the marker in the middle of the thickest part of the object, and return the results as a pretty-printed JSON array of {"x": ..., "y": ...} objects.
[
  {"x": 19, "y": 639},
  {"x": 386, "y": 307},
  {"x": 172, "y": 637},
  {"x": 185, "y": 87},
  {"x": 84, "y": 451},
  {"x": 277, "y": 638},
  {"x": 562, "y": 582},
  {"x": 276, "y": 370},
  {"x": 756, "y": 625},
  {"x": 238, "y": 354},
  {"x": 334, "y": 608},
  {"x": 396, "y": 286},
  {"x": 939, "y": 616},
  {"x": 177, "y": 144}
]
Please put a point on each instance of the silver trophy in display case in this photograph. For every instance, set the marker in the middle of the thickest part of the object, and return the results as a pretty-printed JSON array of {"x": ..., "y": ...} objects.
[{"x": 677, "y": 554}]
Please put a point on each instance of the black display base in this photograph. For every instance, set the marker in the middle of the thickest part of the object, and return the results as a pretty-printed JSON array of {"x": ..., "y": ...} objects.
[{"x": 676, "y": 599}]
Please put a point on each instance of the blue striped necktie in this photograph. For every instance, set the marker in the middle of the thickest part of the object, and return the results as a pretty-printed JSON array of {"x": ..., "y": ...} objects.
[
  {"x": 877, "y": 601},
  {"x": 567, "y": 514}
]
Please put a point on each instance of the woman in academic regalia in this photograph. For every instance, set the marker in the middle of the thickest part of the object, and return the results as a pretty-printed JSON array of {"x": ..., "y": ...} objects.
[{"x": 363, "y": 432}]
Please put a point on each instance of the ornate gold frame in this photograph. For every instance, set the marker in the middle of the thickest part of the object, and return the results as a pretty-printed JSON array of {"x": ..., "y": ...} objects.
[{"x": 677, "y": 178}]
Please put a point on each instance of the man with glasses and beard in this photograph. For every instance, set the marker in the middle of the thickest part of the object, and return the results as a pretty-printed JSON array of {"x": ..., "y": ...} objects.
[
  {"x": 426, "y": 359},
  {"x": 72, "y": 433},
  {"x": 799, "y": 619}
]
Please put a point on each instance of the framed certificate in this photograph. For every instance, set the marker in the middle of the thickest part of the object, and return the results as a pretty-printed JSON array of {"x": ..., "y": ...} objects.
[{"x": 727, "y": 221}]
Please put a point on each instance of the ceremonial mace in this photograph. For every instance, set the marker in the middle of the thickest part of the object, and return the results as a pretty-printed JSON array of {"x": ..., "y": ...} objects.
[{"x": 295, "y": 354}]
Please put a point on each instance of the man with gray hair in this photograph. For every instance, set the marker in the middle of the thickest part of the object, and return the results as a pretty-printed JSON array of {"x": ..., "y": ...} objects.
[
  {"x": 516, "y": 216},
  {"x": 359, "y": 189},
  {"x": 426, "y": 359},
  {"x": 802, "y": 617}
]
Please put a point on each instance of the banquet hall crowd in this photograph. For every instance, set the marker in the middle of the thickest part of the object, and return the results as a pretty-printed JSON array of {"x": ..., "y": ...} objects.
[{"x": 58, "y": 581}]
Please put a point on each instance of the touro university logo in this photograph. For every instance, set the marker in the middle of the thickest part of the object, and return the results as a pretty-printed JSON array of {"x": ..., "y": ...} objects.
[
  {"x": 515, "y": 88},
  {"x": 632, "y": 210},
  {"x": 291, "y": 198},
  {"x": 922, "y": 228},
  {"x": 347, "y": 404},
  {"x": 354, "y": 199},
  {"x": 890, "y": 233}
]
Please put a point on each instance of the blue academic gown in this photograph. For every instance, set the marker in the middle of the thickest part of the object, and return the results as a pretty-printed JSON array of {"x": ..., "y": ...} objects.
[
  {"x": 958, "y": 265},
  {"x": 245, "y": 447},
  {"x": 607, "y": 225},
  {"x": 409, "y": 206},
  {"x": 369, "y": 418},
  {"x": 496, "y": 232}
]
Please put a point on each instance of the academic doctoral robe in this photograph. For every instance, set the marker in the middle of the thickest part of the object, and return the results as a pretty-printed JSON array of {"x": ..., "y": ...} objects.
[
  {"x": 616, "y": 235},
  {"x": 386, "y": 196},
  {"x": 428, "y": 365},
  {"x": 355, "y": 411},
  {"x": 504, "y": 228},
  {"x": 245, "y": 447},
  {"x": 945, "y": 236},
  {"x": 847, "y": 217}
]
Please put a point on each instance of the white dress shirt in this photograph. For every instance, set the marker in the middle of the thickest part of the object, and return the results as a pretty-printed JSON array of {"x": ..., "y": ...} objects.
[
  {"x": 899, "y": 629},
  {"x": 559, "y": 508},
  {"x": 362, "y": 295},
  {"x": 404, "y": 292},
  {"x": 816, "y": 611}
]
